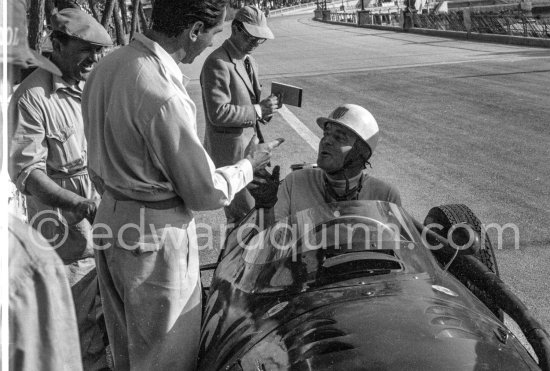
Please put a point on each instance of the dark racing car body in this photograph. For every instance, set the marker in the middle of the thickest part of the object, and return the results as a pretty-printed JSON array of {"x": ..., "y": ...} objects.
[{"x": 346, "y": 286}]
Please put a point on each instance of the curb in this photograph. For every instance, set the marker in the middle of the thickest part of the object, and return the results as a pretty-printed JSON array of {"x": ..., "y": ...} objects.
[{"x": 492, "y": 38}]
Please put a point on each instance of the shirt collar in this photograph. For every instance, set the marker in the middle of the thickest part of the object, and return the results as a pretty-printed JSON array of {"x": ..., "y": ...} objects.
[
  {"x": 234, "y": 51},
  {"x": 184, "y": 79},
  {"x": 166, "y": 59},
  {"x": 58, "y": 83}
]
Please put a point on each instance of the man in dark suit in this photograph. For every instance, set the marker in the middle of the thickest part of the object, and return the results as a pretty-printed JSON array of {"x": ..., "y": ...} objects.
[{"x": 231, "y": 95}]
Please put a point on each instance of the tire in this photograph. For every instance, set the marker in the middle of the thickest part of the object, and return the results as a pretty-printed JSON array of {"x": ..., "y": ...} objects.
[{"x": 449, "y": 215}]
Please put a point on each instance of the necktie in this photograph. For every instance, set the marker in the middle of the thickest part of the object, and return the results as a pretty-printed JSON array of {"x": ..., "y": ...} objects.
[{"x": 248, "y": 68}]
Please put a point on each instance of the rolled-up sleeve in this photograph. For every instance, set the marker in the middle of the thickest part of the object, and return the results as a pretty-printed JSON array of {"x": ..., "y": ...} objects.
[
  {"x": 177, "y": 151},
  {"x": 28, "y": 147}
]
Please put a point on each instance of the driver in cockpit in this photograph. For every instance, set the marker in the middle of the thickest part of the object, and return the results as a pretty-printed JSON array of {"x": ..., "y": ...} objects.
[{"x": 350, "y": 135}]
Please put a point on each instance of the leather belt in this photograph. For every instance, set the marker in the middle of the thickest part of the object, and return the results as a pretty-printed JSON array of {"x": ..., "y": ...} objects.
[
  {"x": 157, "y": 205},
  {"x": 226, "y": 130},
  {"x": 61, "y": 175}
]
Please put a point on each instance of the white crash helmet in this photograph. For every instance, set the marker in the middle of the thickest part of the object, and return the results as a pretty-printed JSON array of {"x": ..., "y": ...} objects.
[{"x": 357, "y": 119}]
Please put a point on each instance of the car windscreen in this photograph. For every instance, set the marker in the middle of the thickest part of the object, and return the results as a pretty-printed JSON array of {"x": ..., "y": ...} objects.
[{"x": 328, "y": 243}]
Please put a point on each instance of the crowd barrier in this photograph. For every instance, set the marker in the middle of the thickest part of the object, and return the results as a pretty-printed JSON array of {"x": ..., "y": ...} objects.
[
  {"x": 518, "y": 28},
  {"x": 281, "y": 11}
]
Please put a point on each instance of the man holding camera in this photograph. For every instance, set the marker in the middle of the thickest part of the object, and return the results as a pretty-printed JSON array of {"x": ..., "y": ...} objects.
[{"x": 231, "y": 97}]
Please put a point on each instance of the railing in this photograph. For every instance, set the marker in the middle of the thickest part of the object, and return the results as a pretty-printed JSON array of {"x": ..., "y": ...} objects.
[
  {"x": 382, "y": 19},
  {"x": 516, "y": 25},
  {"x": 344, "y": 17},
  {"x": 504, "y": 24},
  {"x": 450, "y": 21},
  {"x": 280, "y": 11}
]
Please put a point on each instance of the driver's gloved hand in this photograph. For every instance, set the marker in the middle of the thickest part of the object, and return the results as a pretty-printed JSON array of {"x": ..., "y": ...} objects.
[{"x": 264, "y": 187}]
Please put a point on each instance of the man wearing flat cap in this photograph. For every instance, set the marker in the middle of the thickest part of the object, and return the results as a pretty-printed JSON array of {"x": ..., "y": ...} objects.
[
  {"x": 40, "y": 299},
  {"x": 48, "y": 158},
  {"x": 231, "y": 95}
]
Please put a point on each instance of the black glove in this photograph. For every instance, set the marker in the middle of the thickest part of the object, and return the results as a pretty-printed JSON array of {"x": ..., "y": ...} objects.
[{"x": 264, "y": 187}]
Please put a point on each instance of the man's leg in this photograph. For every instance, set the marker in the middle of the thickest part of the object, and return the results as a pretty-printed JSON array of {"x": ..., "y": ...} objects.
[
  {"x": 151, "y": 293},
  {"x": 110, "y": 288},
  {"x": 82, "y": 277},
  {"x": 113, "y": 308},
  {"x": 162, "y": 306}
]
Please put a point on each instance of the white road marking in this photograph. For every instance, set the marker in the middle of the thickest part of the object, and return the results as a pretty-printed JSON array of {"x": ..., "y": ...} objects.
[
  {"x": 299, "y": 127},
  {"x": 334, "y": 71}
]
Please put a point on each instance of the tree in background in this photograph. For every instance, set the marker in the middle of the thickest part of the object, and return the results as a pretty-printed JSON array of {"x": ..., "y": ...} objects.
[{"x": 120, "y": 19}]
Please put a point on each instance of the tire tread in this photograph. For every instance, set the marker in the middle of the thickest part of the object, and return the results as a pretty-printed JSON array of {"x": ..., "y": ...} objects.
[{"x": 451, "y": 214}]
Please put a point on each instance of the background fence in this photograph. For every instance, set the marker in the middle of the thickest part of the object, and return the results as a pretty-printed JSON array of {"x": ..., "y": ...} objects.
[
  {"x": 450, "y": 21},
  {"x": 344, "y": 17},
  {"x": 516, "y": 24},
  {"x": 293, "y": 8}
]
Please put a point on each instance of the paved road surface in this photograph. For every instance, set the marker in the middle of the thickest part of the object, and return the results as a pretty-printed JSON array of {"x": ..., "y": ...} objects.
[{"x": 462, "y": 122}]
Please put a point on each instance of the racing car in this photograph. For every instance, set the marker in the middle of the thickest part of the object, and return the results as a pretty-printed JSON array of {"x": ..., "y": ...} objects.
[{"x": 361, "y": 285}]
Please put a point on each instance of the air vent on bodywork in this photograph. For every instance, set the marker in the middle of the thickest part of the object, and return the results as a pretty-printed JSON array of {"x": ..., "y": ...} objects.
[
  {"x": 358, "y": 264},
  {"x": 322, "y": 334},
  {"x": 317, "y": 336},
  {"x": 313, "y": 323},
  {"x": 458, "y": 323}
]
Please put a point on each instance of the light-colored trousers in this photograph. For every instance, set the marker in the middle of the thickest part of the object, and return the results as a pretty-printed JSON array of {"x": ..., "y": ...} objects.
[{"x": 148, "y": 271}]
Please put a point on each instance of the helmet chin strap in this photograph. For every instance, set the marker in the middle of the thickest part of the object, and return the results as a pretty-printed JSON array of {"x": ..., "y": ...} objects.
[{"x": 355, "y": 154}]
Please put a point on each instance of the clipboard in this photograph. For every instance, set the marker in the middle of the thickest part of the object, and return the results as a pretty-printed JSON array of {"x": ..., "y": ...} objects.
[{"x": 287, "y": 94}]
